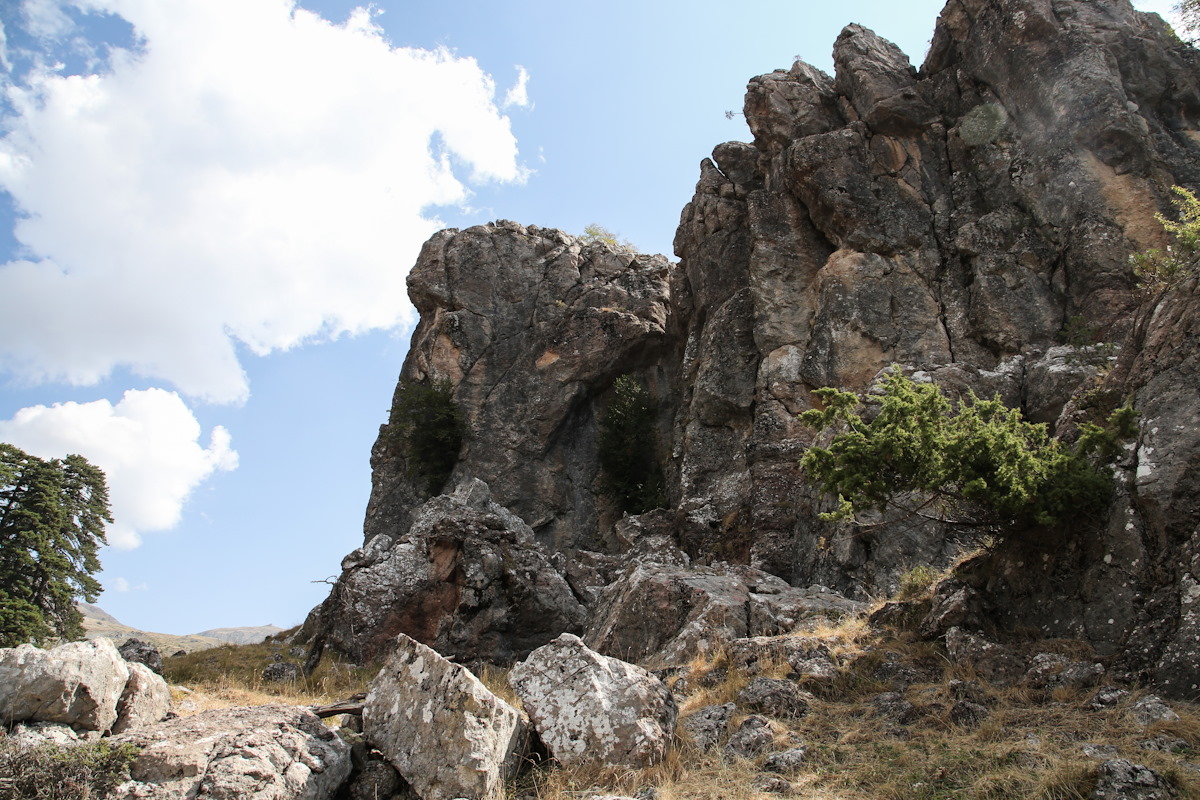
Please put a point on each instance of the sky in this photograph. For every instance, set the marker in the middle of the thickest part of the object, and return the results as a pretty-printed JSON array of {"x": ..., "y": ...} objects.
[{"x": 208, "y": 209}]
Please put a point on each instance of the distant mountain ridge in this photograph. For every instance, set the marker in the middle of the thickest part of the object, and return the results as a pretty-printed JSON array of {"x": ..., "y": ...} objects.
[{"x": 98, "y": 624}]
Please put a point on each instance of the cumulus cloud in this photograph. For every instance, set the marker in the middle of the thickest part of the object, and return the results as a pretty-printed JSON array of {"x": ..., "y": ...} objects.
[
  {"x": 248, "y": 175},
  {"x": 148, "y": 445}
]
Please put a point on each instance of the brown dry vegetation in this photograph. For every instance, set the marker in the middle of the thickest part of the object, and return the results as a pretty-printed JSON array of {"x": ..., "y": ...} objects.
[{"x": 1031, "y": 745}]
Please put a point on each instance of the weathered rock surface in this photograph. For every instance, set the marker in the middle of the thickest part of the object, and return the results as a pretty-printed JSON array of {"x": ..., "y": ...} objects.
[
  {"x": 136, "y": 650},
  {"x": 441, "y": 728},
  {"x": 78, "y": 683},
  {"x": 467, "y": 578},
  {"x": 592, "y": 709},
  {"x": 260, "y": 753},
  {"x": 1119, "y": 779},
  {"x": 145, "y": 700},
  {"x": 970, "y": 221},
  {"x": 706, "y": 726},
  {"x": 671, "y": 612}
]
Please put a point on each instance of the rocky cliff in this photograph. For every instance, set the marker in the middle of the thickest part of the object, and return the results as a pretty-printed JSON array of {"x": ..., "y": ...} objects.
[{"x": 970, "y": 221}]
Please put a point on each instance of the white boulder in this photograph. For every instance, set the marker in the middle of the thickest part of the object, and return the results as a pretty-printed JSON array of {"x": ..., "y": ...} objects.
[
  {"x": 78, "y": 684},
  {"x": 590, "y": 708},
  {"x": 441, "y": 728},
  {"x": 146, "y": 699}
]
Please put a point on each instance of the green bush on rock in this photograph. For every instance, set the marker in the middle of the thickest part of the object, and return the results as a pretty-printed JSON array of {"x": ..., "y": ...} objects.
[
  {"x": 429, "y": 427},
  {"x": 627, "y": 448},
  {"x": 978, "y": 464}
]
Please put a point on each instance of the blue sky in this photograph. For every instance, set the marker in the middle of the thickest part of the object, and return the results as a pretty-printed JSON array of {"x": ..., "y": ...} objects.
[{"x": 208, "y": 207}]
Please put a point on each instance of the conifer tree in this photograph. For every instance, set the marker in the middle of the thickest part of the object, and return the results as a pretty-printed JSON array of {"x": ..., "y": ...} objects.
[{"x": 52, "y": 519}]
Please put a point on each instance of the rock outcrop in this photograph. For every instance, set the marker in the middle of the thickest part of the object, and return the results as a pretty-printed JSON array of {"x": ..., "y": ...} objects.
[
  {"x": 278, "y": 752},
  {"x": 970, "y": 222},
  {"x": 467, "y": 578}
]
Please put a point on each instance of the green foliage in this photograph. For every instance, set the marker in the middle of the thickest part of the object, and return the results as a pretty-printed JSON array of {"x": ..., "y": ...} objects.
[
  {"x": 429, "y": 426},
  {"x": 627, "y": 448},
  {"x": 1162, "y": 270},
  {"x": 71, "y": 772},
  {"x": 52, "y": 518},
  {"x": 596, "y": 233},
  {"x": 916, "y": 582},
  {"x": 979, "y": 464}
]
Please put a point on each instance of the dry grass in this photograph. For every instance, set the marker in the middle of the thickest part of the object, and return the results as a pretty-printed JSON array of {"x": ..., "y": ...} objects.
[
  {"x": 231, "y": 675},
  {"x": 1029, "y": 747}
]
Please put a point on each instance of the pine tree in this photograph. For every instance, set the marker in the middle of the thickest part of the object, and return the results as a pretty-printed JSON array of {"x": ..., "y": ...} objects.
[{"x": 52, "y": 519}]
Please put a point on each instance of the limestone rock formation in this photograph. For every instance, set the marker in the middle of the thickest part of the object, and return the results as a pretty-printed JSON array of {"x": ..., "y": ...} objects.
[
  {"x": 467, "y": 578},
  {"x": 145, "y": 700},
  {"x": 442, "y": 730},
  {"x": 78, "y": 684},
  {"x": 970, "y": 222},
  {"x": 670, "y": 613},
  {"x": 591, "y": 709},
  {"x": 276, "y": 752}
]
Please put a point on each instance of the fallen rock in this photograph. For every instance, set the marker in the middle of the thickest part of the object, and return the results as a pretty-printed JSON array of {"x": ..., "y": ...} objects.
[
  {"x": 753, "y": 736},
  {"x": 777, "y": 698},
  {"x": 280, "y": 672},
  {"x": 1119, "y": 779},
  {"x": 1107, "y": 697},
  {"x": 440, "y": 727},
  {"x": 894, "y": 706},
  {"x": 788, "y": 762},
  {"x": 707, "y": 725},
  {"x": 138, "y": 651},
  {"x": 589, "y": 708},
  {"x": 968, "y": 714},
  {"x": 146, "y": 699},
  {"x": 78, "y": 684},
  {"x": 1151, "y": 709},
  {"x": 1053, "y": 671},
  {"x": 672, "y": 612},
  {"x": 990, "y": 661},
  {"x": 28, "y": 735},
  {"x": 263, "y": 753}
]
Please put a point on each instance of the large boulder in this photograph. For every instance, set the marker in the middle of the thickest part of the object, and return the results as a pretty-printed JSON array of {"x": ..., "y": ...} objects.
[
  {"x": 671, "y": 612},
  {"x": 442, "y": 729},
  {"x": 591, "y": 709},
  {"x": 78, "y": 684},
  {"x": 146, "y": 699},
  {"x": 262, "y": 753},
  {"x": 467, "y": 578},
  {"x": 142, "y": 652}
]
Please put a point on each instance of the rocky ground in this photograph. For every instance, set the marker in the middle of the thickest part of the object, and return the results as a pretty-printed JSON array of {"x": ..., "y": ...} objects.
[{"x": 837, "y": 708}]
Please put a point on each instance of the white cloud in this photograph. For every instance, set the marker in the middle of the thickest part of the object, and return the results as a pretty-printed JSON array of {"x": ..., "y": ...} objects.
[
  {"x": 123, "y": 585},
  {"x": 255, "y": 175},
  {"x": 147, "y": 444},
  {"x": 518, "y": 95}
]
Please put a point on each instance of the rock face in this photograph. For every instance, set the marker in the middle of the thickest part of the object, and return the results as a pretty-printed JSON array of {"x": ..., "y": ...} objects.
[
  {"x": 591, "y": 709},
  {"x": 441, "y": 728},
  {"x": 970, "y": 222},
  {"x": 77, "y": 684},
  {"x": 261, "y": 753},
  {"x": 467, "y": 578}
]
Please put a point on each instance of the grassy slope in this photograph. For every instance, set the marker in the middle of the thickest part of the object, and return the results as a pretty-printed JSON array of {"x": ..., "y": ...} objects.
[{"x": 1030, "y": 746}]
